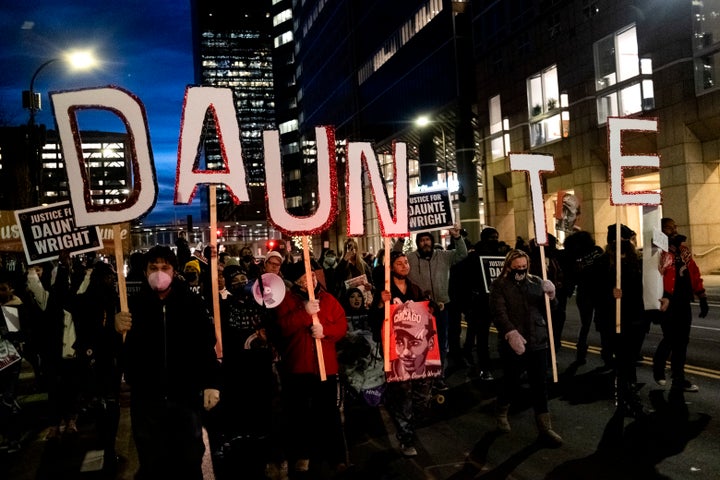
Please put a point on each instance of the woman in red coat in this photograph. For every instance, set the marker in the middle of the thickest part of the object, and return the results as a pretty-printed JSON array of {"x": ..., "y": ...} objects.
[{"x": 311, "y": 405}]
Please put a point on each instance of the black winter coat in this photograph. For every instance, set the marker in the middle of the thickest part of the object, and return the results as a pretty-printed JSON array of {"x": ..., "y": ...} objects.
[
  {"x": 520, "y": 306},
  {"x": 169, "y": 351}
]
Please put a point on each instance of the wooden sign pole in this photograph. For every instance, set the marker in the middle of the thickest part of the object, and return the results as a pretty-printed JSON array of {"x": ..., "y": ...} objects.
[
  {"x": 386, "y": 322},
  {"x": 311, "y": 295}
]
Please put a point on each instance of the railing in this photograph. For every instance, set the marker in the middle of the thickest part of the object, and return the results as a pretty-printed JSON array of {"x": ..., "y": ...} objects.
[{"x": 712, "y": 249}]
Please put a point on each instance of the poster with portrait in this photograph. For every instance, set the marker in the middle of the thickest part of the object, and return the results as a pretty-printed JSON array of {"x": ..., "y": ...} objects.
[
  {"x": 414, "y": 348},
  {"x": 567, "y": 211}
]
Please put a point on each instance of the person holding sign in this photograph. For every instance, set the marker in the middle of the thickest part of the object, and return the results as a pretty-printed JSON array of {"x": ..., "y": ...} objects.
[
  {"x": 681, "y": 283},
  {"x": 310, "y": 405},
  {"x": 411, "y": 385},
  {"x": 170, "y": 364},
  {"x": 430, "y": 270},
  {"x": 625, "y": 346},
  {"x": 517, "y": 306}
]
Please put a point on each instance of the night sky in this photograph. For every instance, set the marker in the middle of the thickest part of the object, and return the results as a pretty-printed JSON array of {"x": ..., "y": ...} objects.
[{"x": 144, "y": 47}]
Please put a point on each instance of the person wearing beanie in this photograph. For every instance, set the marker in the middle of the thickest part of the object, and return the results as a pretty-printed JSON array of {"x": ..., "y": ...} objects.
[
  {"x": 471, "y": 292},
  {"x": 620, "y": 350},
  {"x": 430, "y": 270},
  {"x": 314, "y": 425},
  {"x": 191, "y": 273}
]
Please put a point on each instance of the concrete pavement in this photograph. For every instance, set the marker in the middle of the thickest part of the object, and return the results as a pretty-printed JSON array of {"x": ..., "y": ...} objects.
[{"x": 457, "y": 440}]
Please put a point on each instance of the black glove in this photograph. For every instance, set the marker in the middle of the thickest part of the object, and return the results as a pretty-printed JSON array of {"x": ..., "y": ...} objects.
[{"x": 704, "y": 309}]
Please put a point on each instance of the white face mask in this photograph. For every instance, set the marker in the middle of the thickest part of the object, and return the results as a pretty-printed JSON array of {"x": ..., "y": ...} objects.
[{"x": 159, "y": 281}]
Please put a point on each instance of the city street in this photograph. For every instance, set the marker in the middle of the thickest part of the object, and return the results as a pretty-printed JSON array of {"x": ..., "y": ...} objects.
[{"x": 679, "y": 440}]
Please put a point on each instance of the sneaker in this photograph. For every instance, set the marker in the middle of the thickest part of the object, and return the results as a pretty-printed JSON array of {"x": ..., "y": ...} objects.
[
  {"x": 408, "y": 450},
  {"x": 302, "y": 465},
  {"x": 659, "y": 376},
  {"x": 486, "y": 376},
  {"x": 687, "y": 386}
]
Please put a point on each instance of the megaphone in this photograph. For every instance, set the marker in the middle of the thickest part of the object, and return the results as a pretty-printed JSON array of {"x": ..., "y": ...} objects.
[{"x": 273, "y": 290}]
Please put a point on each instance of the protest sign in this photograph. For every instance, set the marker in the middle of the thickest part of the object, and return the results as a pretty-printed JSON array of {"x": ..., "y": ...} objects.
[
  {"x": 414, "y": 348},
  {"x": 430, "y": 210},
  {"x": 491, "y": 270},
  {"x": 47, "y": 230}
]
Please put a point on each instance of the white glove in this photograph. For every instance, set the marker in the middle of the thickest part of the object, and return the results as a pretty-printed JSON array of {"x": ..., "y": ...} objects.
[
  {"x": 211, "y": 397},
  {"x": 516, "y": 341},
  {"x": 317, "y": 330},
  {"x": 548, "y": 288},
  {"x": 312, "y": 307}
]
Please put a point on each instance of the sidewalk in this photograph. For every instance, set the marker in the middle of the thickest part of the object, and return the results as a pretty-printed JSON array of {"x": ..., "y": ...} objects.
[{"x": 712, "y": 287}]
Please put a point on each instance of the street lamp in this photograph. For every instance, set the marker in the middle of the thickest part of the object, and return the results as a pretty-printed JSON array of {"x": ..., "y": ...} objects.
[
  {"x": 77, "y": 59},
  {"x": 422, "y": 122}
]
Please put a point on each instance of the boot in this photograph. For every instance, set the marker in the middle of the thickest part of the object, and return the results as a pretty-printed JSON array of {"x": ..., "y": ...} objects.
[
  {"x": 546, "y": 433},
  {"x": 501, "y": 416}
]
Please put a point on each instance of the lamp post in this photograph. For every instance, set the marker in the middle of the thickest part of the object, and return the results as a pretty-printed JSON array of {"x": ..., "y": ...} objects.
[
  {"x": 77, "y": 60},
  {"x": 424, "y": 121},
  {"x": 31, "y": 100}
]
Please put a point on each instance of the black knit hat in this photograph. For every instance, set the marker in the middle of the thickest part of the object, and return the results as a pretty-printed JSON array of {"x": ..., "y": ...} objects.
[
  {"x": 231, "y": 270},
  {"x": 424, "y": 234},
  {"x": 294, "y": 271},
  {"x": 394, "y": 255},
  {"x": 626, "y": 233}
]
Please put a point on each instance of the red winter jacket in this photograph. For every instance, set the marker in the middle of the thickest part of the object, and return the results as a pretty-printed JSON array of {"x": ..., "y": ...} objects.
[
  {"x": 300, "y": 355},
  {"x": 667, "y": 269}
]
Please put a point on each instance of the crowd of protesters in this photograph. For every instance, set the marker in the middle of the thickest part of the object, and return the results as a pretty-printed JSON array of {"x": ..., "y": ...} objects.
[{"x": 272, "y": 398}]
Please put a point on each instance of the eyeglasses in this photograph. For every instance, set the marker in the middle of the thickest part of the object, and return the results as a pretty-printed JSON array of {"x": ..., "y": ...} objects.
[{"x": 274, "y": 264}]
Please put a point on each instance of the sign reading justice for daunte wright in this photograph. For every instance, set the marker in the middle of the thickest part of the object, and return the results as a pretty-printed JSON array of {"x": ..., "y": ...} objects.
[
  {"x": 429, "y": 210},
  {"x": 47, "y": 230}
]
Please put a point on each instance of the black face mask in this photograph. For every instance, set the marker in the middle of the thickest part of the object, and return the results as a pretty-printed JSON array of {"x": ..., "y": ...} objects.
[
  {"x": 519, "y": 274},
  {"x": 237, "y": 290},
  {"x": 190, "y": 276},
  {"x": 247, "y": 258}
]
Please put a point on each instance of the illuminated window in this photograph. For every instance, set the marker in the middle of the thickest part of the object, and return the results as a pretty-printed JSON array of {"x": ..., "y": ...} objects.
[
  {"x": 544, "y": 107},
  {"x": 706, "y": 44},
  {"x": 499, "y": 136},
  {"x": 622, "y": 79}
]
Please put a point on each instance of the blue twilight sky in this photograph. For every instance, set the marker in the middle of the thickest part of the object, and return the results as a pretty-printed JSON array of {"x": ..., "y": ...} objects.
[{"x": 144, "y": 47}]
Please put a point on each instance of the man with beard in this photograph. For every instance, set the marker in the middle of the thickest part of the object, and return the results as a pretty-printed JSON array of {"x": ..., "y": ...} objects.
[
  {"x": 681, "y": 283},
  {"x": 430, "y": 270}
]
